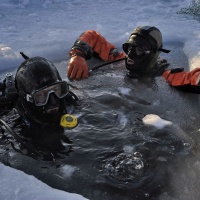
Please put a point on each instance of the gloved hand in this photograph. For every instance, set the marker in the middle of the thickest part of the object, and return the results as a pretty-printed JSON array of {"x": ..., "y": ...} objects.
[
  {"x": 77, "y": 68},
  {"x": 161, "y": 66},
  {"x": 162, "y": 63}
]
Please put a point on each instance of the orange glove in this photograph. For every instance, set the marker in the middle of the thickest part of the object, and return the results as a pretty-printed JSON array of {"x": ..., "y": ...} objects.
[
  {"x": 182, "y": 78},
  {"x": 78, "y": 67}
]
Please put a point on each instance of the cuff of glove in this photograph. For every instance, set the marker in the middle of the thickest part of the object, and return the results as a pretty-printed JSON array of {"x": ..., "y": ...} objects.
[
  {"x": 76, "y": 52},
  {"x": 84, "y": 48}
]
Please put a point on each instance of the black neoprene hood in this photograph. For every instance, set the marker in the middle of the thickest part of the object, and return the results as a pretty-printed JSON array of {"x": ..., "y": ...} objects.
[
  {"x": 143, "y": 48},
  {"x": 150, "y": 34},
  {"x": 35, "y": 73}
]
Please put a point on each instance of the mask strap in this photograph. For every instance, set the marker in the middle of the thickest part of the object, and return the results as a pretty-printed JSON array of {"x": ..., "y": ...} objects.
[{"x": 164, "y": 50}]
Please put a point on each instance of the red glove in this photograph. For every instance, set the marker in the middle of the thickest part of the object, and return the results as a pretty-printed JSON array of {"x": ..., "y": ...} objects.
[{"x": 77, "y": 68}]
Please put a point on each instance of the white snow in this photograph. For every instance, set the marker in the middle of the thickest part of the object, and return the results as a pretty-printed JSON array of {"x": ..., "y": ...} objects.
[
  {"x": 16, "y": 185},
  {"x": 124, "y": 91},
  {"x": 156, "y": 121},
  {"x": 67, "y": 171}
]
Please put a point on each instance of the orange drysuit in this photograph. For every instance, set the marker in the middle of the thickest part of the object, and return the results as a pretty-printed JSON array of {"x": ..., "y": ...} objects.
[{"x": 186, "y": 81}]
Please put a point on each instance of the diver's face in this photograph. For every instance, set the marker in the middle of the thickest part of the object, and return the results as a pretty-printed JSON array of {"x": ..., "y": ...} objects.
[
  {"x": 50, "y": 98},
  {"x": 137, "y": 64},
  {"x": 53, "y": 104},
  {"x": 136, "y": 55},
  {"x": 138, "y": 51},
  {"x": 51, "y": 111},
  {"x": 47, "y": 103}
]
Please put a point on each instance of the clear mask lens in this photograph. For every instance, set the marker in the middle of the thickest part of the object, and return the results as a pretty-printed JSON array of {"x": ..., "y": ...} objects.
[
  {"x": 41, "y": 96},
  {"x": 136, "y": 51}
]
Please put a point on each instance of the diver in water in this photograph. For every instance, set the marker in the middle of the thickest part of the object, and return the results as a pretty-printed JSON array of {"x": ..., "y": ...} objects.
[
  {"x": 141, "y": 57},
  {"x": 40, "y": 100}
]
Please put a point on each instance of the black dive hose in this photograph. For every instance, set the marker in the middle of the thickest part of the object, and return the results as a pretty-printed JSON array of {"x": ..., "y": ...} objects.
[
  {"x": 107, "y": 63},
  {"x": 19, "y": 139}
]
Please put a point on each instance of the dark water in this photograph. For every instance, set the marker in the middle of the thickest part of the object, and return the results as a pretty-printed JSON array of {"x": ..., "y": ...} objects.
[{"x": 113, "y": 154}]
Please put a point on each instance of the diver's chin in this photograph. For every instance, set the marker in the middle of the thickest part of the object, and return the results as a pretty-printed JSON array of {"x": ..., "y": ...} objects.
[
  {"x": 133, "y": 75},
  {"x": 130, "y": 65},
  {"x": 53, "y": 110}
]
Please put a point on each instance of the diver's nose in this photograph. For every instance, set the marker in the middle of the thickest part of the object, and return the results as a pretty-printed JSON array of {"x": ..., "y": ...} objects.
[
  {"x": 53, "y": 99},
  {"x": 53, "y": 104}
]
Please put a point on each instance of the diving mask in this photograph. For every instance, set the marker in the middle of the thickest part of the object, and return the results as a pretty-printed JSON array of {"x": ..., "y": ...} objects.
[{"x": 40, "y": 97}]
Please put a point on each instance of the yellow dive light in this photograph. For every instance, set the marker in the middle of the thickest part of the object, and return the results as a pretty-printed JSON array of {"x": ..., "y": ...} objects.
[{"x": 68, "y": 121}]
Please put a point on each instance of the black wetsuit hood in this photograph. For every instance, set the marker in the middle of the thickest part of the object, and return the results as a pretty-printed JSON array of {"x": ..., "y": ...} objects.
[
  {"x": 32, "y": 74},
  {"x": 148, "y": 39}
]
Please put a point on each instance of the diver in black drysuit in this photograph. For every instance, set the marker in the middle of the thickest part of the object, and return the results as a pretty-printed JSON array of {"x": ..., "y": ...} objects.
[{"x": 31, "y": 108}]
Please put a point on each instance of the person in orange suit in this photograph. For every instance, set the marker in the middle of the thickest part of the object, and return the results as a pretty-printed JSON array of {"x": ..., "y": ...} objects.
[{"x": 141, "y": 54}]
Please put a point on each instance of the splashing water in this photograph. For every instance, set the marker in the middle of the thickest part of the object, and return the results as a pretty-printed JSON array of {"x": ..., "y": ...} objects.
[{"x": 125, "y": 167}]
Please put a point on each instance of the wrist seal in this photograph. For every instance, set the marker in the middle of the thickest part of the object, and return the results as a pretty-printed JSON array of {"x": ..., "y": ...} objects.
[{"x": 83, "y": 47}]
